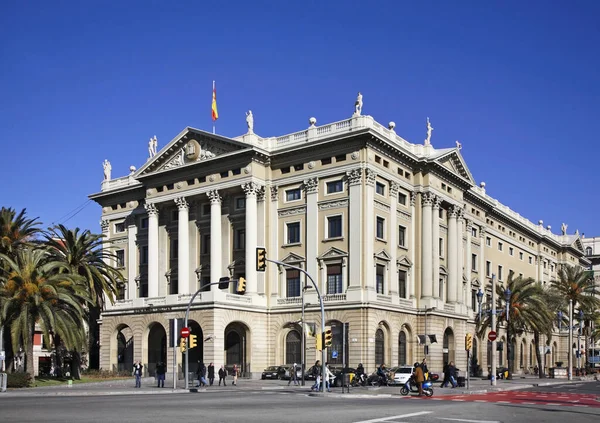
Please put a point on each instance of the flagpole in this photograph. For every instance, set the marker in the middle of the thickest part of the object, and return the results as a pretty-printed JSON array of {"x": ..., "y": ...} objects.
[{"x": 213, "y": 119}]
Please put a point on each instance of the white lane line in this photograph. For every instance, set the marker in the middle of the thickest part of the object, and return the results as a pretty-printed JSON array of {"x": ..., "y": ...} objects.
[
  {"x": 502, "y": 402},
  {"x": 401, "y": 416},
  {"x": 579, "y": 405},
  {"x": 480, "y": 401},
  {"x": 528, "y": 403},
  {"x": 552, "y": 403},
  {"x": 469, "y": 421}
]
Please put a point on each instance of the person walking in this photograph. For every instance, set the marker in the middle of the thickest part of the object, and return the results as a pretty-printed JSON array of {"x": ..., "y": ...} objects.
[
  {"x": 294, "y": 375},
  {"x": 446, "y": 375},
  {"x": 452, "y": 374},
  {"x": 201, "y": 373},
  {"x": 329, "y": 377},
  {"x": 211, "y": 373},
  {"x": 419, "y": 378},
  {"x": 222, "y": 375},
  {"x": 425, "y": 369},
  {"x": 316, "y": 372},
  {"x": 161, "y": 369},
  {"x": 235, "y": 372},
  {"x": 137, "y": 372}
]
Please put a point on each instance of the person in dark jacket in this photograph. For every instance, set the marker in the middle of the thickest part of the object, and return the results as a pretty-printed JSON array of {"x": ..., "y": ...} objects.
[
  {"x": 201, "y": 373},
  {"x": 222, "y": 375},
  {"x": 211, "y": 373},
  {"x": 446, "y": 376},
  {"x": 161, "y": 369}
]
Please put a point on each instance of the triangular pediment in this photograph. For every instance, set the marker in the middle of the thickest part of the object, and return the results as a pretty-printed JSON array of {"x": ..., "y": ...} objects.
[
  {"x": 454, "y": 162},
  {"x": 404, "y": 261},
  {"x": 578, "y": 245},
  {"x": 382, "y": 255},
  {"x": 475, "y": 282},
  {"x": 292, "y": 258},
  {"x": 332, "y": 253},
  {"x": 189, "y": 147}
]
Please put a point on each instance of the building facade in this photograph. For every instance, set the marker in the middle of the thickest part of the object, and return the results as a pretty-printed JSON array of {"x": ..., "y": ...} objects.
[{"x": 397, "y": 236}]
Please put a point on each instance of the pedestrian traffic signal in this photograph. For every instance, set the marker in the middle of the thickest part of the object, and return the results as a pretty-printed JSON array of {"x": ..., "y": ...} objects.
[
  {"x": 183, "y": 345},
  {"x": 328, "y": 338},
  {"x": 193, "y": 342},
  {"x": 261, "y": 259},
  {"x": 241, "y": 286},
  {"x": 319, "y": 340},
  {"x": 224, "y": 282},
  {"x": 468, "y": 342}
]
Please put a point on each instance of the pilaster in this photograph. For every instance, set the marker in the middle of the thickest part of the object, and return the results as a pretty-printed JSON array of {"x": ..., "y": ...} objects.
[
  {"x": 183, "y": 241},
  {"x": 216, "y": 270},
  {"x": 355, "y": 236},
  {"x": 369, "y": 222},
  {"x": 132, "y": 255},
  {"x": 311, "y": 192},
  {"x": 435, "y": 235},
  {"x": 426, "y": 247},
  {"x": 452, "y": 254},
  {"x": 153, "y": 278},
  {"x": 251, "y": 189}
]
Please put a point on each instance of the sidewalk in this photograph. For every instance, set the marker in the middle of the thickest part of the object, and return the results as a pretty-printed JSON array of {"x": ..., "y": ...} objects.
[{"x": 126, "y": 387}]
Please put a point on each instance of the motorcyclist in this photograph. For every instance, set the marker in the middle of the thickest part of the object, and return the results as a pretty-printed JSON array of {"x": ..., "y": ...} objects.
[
  {"x": 382, "y": 374},
  {"x": 359, "y": 374}
]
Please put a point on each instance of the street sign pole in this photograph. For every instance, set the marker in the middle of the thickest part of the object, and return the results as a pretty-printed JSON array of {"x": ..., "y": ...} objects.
[
  {"x": 468, "y": 366},
  {"x": 493, "y": 327}
]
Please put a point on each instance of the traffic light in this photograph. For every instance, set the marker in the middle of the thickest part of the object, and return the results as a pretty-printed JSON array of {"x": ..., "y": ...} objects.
[
  {"x": 261, "y": 259},
  {"x": 224, "y": 282},
  {"x": 328, "y": 338},
  {"x": 468, "y": 342},
  {"x": 319, "y": 339},
  {"x": 183, "y": 345},
  {"x": 241, "y": 286},
  {"x": 193, "y": 342}
]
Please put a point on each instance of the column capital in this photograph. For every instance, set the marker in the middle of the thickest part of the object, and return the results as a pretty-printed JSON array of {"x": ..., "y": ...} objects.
[
  {"x": 469, "y": 225},
  {"x": 311, "y": 185},
  {"x": 182, "y": 204},
  {"x": 413, "y": 198},
  {"x": 482, "y": 232},
  {"x": 437, "y": 202},
  {"x": 261, "y": 193},
  {"x": 394, "y": 187},
  {"x": 427, "y": 199},
  {"x": 371, "y": 176},
  {"x": 251, "y": 189},
  {"x": 151, "y": 209},
  {"x": 214, "y": 196},
  {"x": 460, "y": 215},
  {"x": 274, "y": 192},
  {"x": 354, "y": 176},
  {"x": 453, "y": 212},
  {"x": 104, "y": 224}
]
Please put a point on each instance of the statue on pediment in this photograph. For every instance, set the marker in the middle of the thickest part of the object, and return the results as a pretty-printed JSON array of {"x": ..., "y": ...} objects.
[
  {"x": 358, "y": 104},
  {"x": 429, "y": 130},
  {"x": 152, "y": 146},
  {"x": 563, "y": 228},
  {"x": 250, "y": 121},
  {"x": 107, "y": 169}
]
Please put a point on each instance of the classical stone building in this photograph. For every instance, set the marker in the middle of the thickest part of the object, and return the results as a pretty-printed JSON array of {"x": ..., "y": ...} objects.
[{"x": 398, "y": 236}]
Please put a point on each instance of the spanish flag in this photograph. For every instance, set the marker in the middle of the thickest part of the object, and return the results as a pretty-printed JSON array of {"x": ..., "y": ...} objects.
[{"x": 215, "y": 113}]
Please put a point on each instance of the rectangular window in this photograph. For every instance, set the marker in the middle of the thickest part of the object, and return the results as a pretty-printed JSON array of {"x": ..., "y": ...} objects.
[
  {"x": 402, "y": 198},
  {"x": 379, "y": 188},
  {"x": 335, "y": 186},
  {"x": 240, "y": 203},
  {"x": 511, "y": 251},
  {"x": 530, "y": 260},
  {"x": 205, "y": 246},
  {"x": 144, "y": 223},
  {"x": 402, "y": 236},
  {"x": 379, "y": 278},
  {"x": 500, "y": 273},
  {"x": 500, "y": 246},
  {"x": 402, "y": 277},
  {"x": 239, "y": 242},
  {"x": 326, "y": 161},
  {"x": 441, "y": 213},
  {"x": 488, "y": 241},
  {"x": 488, "y": 268},
  {"x": 206, "y": 209},
  {"x": 119, "y": 227},
  {"x": 174, "y": 249},
  {"x": 334, "y": 279},
  {"x": 474, "y": 262},
  {"x": 293, "y": 232},
  {"x": 120, "y": 256},
  {"x": 144, "y": 255},
  {"x": 293, "y": 194},
  {"x": 380, "y": 228},
  {"x": 292, "y": 282},
  {"x": 474, "y": 232},
  {"x": 334, "y": 226},
  {"x": 520, "y": 255},
  {"x": 174, "y": 215},
  {"x": 441, "y": 247}
]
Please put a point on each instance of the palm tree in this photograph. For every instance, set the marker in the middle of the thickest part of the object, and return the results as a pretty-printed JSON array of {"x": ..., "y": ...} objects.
[
  {"x": 16, "y": 230},
  {"x": 83, "y": 254},
  {"x": 528, "y": 311},
  {"x": 33, "y": 290},
  {"x": 576, "y": 284}
]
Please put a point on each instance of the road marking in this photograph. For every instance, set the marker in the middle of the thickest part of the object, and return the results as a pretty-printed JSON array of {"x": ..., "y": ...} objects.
[
  {"x": 528, "y": 403},
  {"x": 502, "y": 402},
  {"x": 401, "y": 416},
  {"x": 469, "y": 421},
  {"x": 552, "y": 403}
]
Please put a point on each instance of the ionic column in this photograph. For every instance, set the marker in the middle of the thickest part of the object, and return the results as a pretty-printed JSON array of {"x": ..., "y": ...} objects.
[
  {"x": 452, "y": 254},
  {"x": 251, "y": 191},
  {"x": 272, "y": 247},
  {"x": 132, "y": 256},
  {"x": 426, "y": 247},
  {"x": 216, "y": 270},
  {"x": 183, "y": 244},
  {"x": 468, "y": 265},
  {"x": 412, "y": 288},
  {"x": 435, "y": 235},
  {"x": 482, "y": 275},
  {"x": 152, "y": 211},
  {"x": 460, "y": 257},
  {"x": 393, "y": 233},
  {"x": 369, "y": 230},
  {"x": 311, "y": 191},
  {"x": 355, "y": 219}
]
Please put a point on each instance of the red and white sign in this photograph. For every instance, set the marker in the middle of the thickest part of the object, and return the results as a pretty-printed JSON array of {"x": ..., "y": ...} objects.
[
  {"x": 492, "y": 335},
  {"x": 185, "y": 332}
]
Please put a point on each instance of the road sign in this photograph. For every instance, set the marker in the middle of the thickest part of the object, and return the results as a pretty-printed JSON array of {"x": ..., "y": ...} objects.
[
  {"x": 334, "y": 354},
  {"x": 185, "y": 332},
  {"x": 492, "y": 335}
]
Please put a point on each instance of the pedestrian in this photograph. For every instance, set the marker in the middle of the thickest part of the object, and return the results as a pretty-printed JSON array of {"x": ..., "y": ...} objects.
[
  {"x": 446, "y": 376},
  {"x": 294, "y": 375},
  {"x": 161, "y": 369},
  {"x": 328, "y": 377},
  {"x": 201, "y": 373},
  {"x": 222, "y": 375},
  {"x": 137, "y": 372},
  {"x": 452, "y": 374},
  {"x": 425, "y": 369},
  {"x": 234, "y": 372},
  {"x": 419, "y": 378},
  {"x": 316, "y": 372},
  {"x": 211, "y": 373}
]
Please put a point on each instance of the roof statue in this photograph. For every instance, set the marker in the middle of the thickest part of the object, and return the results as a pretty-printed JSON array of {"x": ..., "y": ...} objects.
[
  {"x": 152, "y": 145},
  {"x": 107, "y": 168},
  {"x": 358, "y": 105},
  {"x": 563, "y": 228},
  {"x": 429, "y": 130},
  {"x": 458, "y": 144},
  {"x": 250, "y": 121}
]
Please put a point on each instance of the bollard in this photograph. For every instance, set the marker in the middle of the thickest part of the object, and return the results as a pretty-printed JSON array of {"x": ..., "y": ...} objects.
[
  {"x": 3, "y": 382},
  {"x": 70, "y": 383}
]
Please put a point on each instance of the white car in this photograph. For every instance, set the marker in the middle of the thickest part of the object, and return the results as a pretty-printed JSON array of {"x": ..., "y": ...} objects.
[{"x": 401, "y": 374}]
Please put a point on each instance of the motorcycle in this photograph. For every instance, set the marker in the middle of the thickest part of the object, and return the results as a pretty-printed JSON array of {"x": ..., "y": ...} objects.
[
  {"x": 359, "y": 380},
  {"x": 411, "y": 386}
]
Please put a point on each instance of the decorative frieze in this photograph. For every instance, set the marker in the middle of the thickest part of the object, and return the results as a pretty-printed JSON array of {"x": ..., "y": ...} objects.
[
  {"x": 404, "y": 215},
  {"x": 292, "y": 211},
  {"x": 334, "y": 204},
  {"x": 382, "y": 206}
]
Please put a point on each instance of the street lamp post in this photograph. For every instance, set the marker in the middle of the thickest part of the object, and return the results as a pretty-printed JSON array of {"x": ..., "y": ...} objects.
[
  {"x": 507, "y": 294},
  {"x": 560, "y": 316},
  {"x": 579, "y": 341},
  {"x": 303, "y": 365},
  {"x": 570, "y": 356},
  {"x": 492, "y": 325}
]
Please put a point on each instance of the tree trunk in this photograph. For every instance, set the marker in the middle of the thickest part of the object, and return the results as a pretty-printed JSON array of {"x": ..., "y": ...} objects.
[
  {"x": 29, "y": 359},
  {"x": 538, "y": 355},
  {"x": 94, "y": 338},
  {"x": 58, "y": 356},
  {"x": 9, "y": 362},
  {"x": 75, "y": 365}
]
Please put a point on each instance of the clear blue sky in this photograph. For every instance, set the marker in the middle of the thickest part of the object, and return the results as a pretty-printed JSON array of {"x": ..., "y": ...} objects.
[{"x": 517, "y": 82}]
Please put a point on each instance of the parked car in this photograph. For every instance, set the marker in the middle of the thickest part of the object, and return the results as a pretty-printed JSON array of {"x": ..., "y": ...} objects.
[
  {"x": 273, "y": 372},
  {"x": 401, "y": 374}
]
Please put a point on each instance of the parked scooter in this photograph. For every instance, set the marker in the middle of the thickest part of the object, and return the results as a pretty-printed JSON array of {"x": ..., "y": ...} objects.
[{"x": 411, "y": 386}]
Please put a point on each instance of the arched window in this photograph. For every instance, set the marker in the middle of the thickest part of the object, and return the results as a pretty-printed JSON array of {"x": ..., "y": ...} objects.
[
  {"x": 448, "y": 346},
  {"x": 379, "y": 347},
  {"x": 292, "y": 347},
  {"x": 588, "y": 251},
  {"x": 402, "y": 349},
  {"x": 521, "y": 361},
  {"x": 530, "y": 355}
]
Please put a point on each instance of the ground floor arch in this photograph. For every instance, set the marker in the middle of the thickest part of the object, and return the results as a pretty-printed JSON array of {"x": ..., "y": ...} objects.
[
  {"x": 122, "y": 356},
  {"x": 236, "y": 346},
  {"x": 157, "y": 346},
  {"x": 448, "y": 346}
]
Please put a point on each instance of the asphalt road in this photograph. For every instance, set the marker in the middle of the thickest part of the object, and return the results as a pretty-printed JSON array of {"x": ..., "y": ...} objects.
[{"x": 293, "y": 406}]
